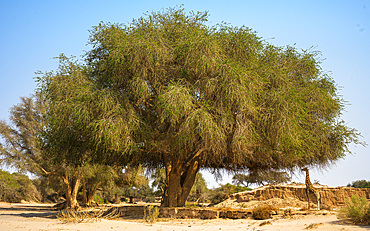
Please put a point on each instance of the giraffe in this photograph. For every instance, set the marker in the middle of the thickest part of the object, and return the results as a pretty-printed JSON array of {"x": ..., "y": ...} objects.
[{"x": 311, "y": 189}]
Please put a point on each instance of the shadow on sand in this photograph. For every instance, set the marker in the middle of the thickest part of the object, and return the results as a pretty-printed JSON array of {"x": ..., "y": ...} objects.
[
  {"x": 25, "y": 210},
  {"x": 343, "y": 222}
]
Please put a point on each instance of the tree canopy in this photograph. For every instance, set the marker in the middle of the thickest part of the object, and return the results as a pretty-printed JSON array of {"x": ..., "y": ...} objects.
[{"x": 168, "y": 90}]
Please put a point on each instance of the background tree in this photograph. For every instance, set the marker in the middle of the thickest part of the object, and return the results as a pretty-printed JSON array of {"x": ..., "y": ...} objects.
[
  {"x": 261, "y": 178},
  {"x": 95, "y": 176},
  {"x": 217, "y": 97},
  {"x": 159, "y": 181},
  {"x": 219, "y": 194},
  {"x": 16, "y": 187},
  {"x": 19, "y": 146},
  {"x": 198, "y": 192},
  {"x": 130, "y": 182},
  {"x": 360, "y": 184},
  {"x": 22, "y": 149}
]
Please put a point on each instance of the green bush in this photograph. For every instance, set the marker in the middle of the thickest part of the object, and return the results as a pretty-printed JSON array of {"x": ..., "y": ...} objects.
[
  {"x": 16, "y": 187},
  {"x": 98, "y": 199},
  {"x": 357, "y": 209}
]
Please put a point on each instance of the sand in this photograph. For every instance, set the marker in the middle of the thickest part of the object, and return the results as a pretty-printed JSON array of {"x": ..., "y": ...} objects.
[{"x": 42, "y": 217}]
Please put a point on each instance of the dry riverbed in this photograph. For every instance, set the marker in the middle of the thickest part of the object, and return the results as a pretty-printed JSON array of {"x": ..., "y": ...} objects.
[{"x": 43, "y": 217}]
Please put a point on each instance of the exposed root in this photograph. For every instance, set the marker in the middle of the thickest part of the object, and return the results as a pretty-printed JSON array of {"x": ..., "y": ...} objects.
[{"x": 88, "y": 216}]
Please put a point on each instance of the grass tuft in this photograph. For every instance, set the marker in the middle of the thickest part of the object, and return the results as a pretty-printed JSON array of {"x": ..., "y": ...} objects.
[
  {"x": 151, "y": 213},
  {"x": 313, "y": 226}
]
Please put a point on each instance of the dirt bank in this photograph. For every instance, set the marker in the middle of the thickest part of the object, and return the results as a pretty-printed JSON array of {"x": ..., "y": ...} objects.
[{"x": 293, "y": 195}]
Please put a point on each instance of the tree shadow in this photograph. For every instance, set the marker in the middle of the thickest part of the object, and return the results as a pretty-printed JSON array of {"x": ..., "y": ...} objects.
[
  {"x": 29, "y": 211},
  {"x": 344, "y": 223}
]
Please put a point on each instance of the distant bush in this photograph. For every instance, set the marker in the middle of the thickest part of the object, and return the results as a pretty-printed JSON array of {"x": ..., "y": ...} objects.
[
  {"x": 357, "y": 210},
  {"x": 360, "y": 184},
  {"x": 221, "y": 193},
  {"x": 16, "y": 187},
  {"x": 263, "y": 212}
]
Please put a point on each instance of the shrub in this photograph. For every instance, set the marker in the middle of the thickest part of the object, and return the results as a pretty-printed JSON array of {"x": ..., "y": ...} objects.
[
  {"x": 357, "y": 210},
  {"x": 151, "y": 213},
  {"x": 263, "y": 212},
  {"x": 98, "y": 199}
]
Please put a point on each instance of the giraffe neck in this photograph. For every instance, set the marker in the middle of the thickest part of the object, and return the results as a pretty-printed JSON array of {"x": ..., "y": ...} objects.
[{"x": 308, "y": 182}]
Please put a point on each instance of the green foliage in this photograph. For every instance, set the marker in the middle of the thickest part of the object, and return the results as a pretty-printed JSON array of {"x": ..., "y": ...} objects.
[
  {"x": 98, "y": 199},
  {"x": 357, "y": 210},
  {"x": 159, "y": 180},
  {"x": 84, "y": 124},
  {"x": 247, "y": 103},
  {"x": 128, "y": 182},
  {"x": 360, "y": 184},
  {"x": 221, "y": 193},
  {"x": 198, "y": 192},
  {"x": 19, "y": 139},
  {"x": 16, "y": 187}
]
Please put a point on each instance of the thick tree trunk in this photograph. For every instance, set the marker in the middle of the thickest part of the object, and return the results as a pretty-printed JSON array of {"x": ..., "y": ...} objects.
[
  {"x": 72, "y": 186},
  {"x": 180, "y": 177}
]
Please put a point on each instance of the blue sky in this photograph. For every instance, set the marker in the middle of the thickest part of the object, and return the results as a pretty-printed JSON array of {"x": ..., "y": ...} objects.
[{"x": 33, "y": 32}]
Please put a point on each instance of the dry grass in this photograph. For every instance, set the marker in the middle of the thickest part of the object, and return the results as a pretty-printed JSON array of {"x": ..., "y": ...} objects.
[
  {"x": 313, "y": 226},
  {"x": 264, "y": 212},
  {"x": 265, "y": 223},
  {"x": 87, "y": 216},
  {"x": 287, "y": 213}
]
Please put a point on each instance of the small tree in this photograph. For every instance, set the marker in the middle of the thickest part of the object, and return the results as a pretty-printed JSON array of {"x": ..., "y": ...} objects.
[
  {"x": 261, "y": 178},
  {"x": 84, "y": 126}
]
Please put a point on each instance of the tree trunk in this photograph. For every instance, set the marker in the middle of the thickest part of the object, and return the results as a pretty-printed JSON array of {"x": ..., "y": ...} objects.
[
  {"x": 117, "y": 199},
  {"x": 88, "y": 193},
  {"x": 84, "y": 193},
  {"x": 91, "y": 192},
  {"x": 72, "y": 186},
  {"x": 180, "y": 177}
]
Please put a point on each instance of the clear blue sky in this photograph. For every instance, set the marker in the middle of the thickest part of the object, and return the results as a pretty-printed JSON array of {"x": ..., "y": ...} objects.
[{"x": 33, "y": 32}]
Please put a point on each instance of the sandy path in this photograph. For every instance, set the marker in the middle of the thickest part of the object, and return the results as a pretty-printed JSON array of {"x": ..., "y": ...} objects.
[{"x": 41, "y": 217}]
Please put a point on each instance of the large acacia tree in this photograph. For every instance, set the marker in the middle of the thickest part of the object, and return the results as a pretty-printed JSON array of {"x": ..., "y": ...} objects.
[{"x": 217, "y": 97}]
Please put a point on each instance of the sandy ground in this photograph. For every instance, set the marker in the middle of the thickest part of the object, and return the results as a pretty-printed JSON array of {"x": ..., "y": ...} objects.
[{"x": 42, "y": 217}]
